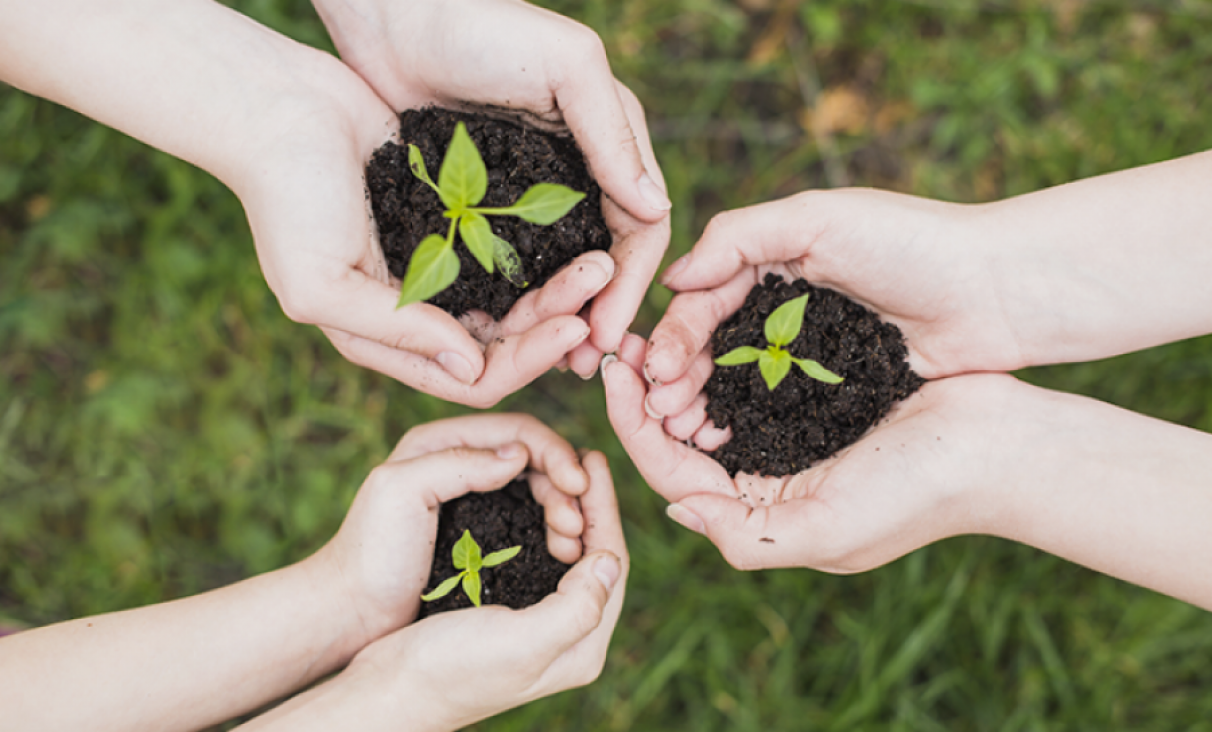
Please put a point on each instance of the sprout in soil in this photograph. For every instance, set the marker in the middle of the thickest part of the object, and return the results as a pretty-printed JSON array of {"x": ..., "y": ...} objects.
[
  {"x": 782, "y": 327},
  {"x": 462, "y": 183},
  {"x": 467, "y": 559}
]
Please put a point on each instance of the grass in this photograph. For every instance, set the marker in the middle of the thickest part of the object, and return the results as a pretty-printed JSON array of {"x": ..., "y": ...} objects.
[{"x": 164, "y": 429}]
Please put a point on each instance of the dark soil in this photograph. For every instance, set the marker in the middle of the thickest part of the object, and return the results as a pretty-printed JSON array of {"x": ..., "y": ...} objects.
[
  {"x": 497, "y": 520},
  {"x": 517, "y": 157},
  {"x": 803, "y": 420}
]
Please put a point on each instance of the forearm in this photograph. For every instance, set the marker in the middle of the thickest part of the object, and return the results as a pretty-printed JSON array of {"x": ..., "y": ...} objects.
[
  {"x": 184, "y": 664},
  {"x": 1104, "y": 266},
  {"x": 1112, "y": 490},
  {"x": 361, "y": 698},
  {"x": 190, "y": 77}
]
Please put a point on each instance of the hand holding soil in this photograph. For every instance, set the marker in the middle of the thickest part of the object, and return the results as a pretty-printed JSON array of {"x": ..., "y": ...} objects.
[
  {"x": 917, "y": 263},
  {"x": 550, "y": 71},
  {"x": 452, "y": 669},
  {"x": 900, "y": 487},
  {"x": 382, "y": 555}
]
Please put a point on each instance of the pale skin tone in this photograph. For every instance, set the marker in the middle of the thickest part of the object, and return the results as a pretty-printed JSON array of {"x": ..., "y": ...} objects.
[
  {"x": 289, "y": 129},
  {"x": 197, "y": 661},
  {"x": 1082, "y": 271}
]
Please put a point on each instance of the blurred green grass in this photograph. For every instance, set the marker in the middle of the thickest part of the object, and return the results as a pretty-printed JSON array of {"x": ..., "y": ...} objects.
[{"x": 164, "y": 429}]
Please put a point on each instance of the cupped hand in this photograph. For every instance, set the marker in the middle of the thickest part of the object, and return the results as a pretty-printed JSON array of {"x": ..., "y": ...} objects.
[
  {"x": 912, "y": 480},
  {"x": 552, "y": 71},
  {"x": 914, "y": 261},
  {"x": 457, "y": 667},
  {"x": 382, "y": 554}
]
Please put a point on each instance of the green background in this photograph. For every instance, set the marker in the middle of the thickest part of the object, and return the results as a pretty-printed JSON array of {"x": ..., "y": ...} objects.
[{"x": 164, "y": 429}]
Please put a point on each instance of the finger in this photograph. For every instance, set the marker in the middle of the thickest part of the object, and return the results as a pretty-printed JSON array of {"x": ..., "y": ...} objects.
[
  {"x": 514, "y": 361},
  {"x": 632, "y": 351},
  {"x": 573, "y": 612},
  {"x": 593, "y": 105},
  {"x": 684, "y": 425},
  {"x": 748, "y": 538},
  {"x": 685, "y": 329},
  {"x": 584, "y": 360},
  {"x": 710, "y": 438},
  {"x": 364, "y": 307},
  {"x": 442, "y": 476},
  {"x": 562, "y": 512},
  {"x": 548, "y": 452},
  {"x": 564, "y": 294},
  {"x": 638, "y": 248},
  {"x": 670, "y": 468},
  {"x": 768, "y": 233},
  {"x": 423, "y": 374},
  {"x": 676, "y": 397},
  {"x": 600, "y": 510}
]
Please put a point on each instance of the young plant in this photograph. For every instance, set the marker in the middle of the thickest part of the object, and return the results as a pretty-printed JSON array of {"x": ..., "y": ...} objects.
[
  {"x": 462, "y": 183},
  {"x": 467, "y": 559},
  {"x": 782, "y": 327}
]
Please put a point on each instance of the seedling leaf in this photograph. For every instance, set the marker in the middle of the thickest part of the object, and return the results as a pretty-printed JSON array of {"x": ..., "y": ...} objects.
[
  {"x": 738, "y": 356},
  {"x": 508, "y": 260},
  {"x": 477, "y": 235},
  {"x": 784, "y": 323},
  {"x": 466, "y": 553},
  {"x": 417, "y": 163},
  {"x": 471, "y": 585},
  {"x": 463, "y": 179},
  {"x": 774, "y": 365},
  {"x": 433, "y": 266},
  {"x": 443, "y": 589},
  {"x": 501, "y": 556},
  {"x": 817, "y": 371},
  {"x": 542, "y": 203}
]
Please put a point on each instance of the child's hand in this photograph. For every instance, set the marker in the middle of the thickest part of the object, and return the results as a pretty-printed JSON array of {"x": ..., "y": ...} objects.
[
  {"x": 918, "y": 263},
  {"x": 912, "y": 480},
  {"x": 454, "y": 668},
  {"x": 381, "y": 557},
  {"x": 549, "y": 69}
]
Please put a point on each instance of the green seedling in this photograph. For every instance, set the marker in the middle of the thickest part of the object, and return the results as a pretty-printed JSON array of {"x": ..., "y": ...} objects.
[
  {"x": 782, "y": 327},
  {"x": 467, "y": 559},
  {"x": 462, "y": 183}
]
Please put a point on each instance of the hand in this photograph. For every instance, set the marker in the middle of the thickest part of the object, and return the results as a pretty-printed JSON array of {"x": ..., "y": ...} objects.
[
  {"x": 452, "y": 669},
  {"x": 553, "y": 71},
  {"x": 911, "y": 260},
  {"x": 381, "y": 557},
  {"x": 907, "y": 483}
]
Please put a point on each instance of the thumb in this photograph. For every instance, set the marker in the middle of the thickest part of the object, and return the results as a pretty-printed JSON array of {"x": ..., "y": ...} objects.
[
  {"x": 576, "y": 608},
  {"x": 363, "y": 306},
  {"x": 608, "y": 122},
  {"x": 748, "y": 538},
  {"x": 768, "y": 233}
]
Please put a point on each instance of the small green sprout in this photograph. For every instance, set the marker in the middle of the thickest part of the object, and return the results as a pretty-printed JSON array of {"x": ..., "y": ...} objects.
[
  {"x": 467, "y": 559},
  {"x": 462, "y": 183},
  {"x": 782, "y": 327}
]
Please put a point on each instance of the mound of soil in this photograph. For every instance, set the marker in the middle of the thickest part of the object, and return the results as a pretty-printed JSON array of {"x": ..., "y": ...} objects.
[
  {"x": 802, "y": 421},
  {"x": 406, "y": 210},
  {"x": 497, "y": 520}
]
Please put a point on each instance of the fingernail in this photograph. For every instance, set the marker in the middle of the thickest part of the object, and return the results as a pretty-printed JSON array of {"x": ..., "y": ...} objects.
[
  {"x": 648, "y": 376},
  {"x": 607, "y": 359},
  {"x": 652, "y": 193},
  {"x": 650, "y": 411},
  {"x": 686, "y": 517},
  {"x": 510, "y": 451},
  {"x": 607, "y": 570},
  {"x": 675, "y": 269},
  {"x": 607, "y": 273},
  {"x": 456, "y": 366}
]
